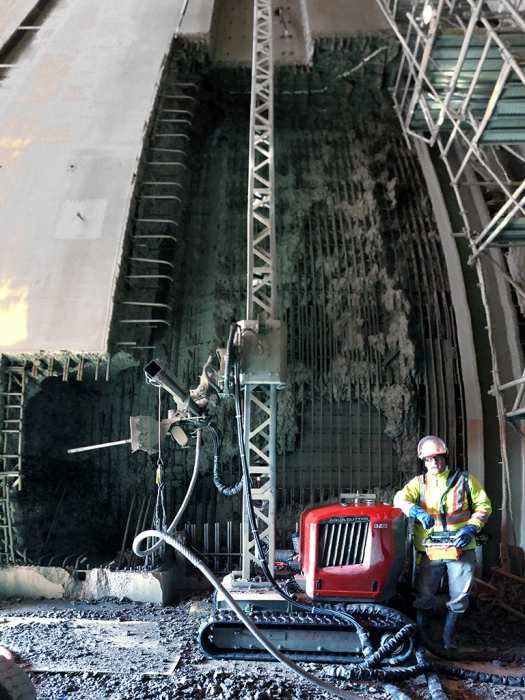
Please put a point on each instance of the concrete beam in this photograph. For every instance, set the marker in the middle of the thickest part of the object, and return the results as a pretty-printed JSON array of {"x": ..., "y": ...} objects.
[
  {"x": 474, "y": 410},
  {"x": 56, "y": 583}
]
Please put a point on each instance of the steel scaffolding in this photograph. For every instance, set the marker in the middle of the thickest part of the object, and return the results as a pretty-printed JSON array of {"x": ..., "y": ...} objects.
[
  {"x": 15, "y": 374},
  {"x": 460, "y": 88}
]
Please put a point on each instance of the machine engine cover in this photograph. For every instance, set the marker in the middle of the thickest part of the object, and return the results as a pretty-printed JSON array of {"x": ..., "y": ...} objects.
[{"x": 352, "y": 551}]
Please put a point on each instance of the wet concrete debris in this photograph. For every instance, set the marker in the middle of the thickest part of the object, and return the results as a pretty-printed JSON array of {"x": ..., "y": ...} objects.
[{"x": 191, "y": 674}]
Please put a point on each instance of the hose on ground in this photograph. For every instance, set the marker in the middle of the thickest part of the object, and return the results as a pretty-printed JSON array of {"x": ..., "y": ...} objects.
[
  {"x": 360, "y": 673},
  {"x": 327, "y": 687},
  {"x": 395, "y": 692},
  {"x": 479, "y": 676},
  {"x": 433, "y": 682}
]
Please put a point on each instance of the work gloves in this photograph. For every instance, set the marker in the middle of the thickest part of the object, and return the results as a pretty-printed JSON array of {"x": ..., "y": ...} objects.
[
  {"x": 424, "y": 518},
  {"x": 465, "y": 536}
]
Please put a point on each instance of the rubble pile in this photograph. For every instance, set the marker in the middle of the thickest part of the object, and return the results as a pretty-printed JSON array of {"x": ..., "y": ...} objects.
[{"x": 192, "y": 675}]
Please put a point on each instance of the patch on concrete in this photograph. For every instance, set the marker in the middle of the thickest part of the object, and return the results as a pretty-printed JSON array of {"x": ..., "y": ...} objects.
[{"x": 80, "y": 220}]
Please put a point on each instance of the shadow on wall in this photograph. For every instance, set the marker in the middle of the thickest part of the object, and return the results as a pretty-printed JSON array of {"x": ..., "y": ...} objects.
[{"x": 73, "y": 503}]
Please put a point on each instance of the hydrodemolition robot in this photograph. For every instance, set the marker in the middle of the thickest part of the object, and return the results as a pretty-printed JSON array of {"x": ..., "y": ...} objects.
[{"x": 351, "y": 554}]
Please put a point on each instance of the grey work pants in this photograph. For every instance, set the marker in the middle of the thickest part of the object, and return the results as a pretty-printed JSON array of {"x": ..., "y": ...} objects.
[{"x": 460, "y": 579}]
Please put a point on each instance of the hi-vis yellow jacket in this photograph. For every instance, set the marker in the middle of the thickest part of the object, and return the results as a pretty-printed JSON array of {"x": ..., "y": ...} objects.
[{"x": 427, "y": 493}]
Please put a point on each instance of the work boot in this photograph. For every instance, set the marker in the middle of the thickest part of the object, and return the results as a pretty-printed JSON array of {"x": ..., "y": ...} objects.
[
  {"x": 451, "y": 626},
  {"x": 423, "y": 624}
]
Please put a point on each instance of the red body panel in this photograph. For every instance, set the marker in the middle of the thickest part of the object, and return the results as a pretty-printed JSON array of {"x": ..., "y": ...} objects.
[{"x": 371, "y": 537}]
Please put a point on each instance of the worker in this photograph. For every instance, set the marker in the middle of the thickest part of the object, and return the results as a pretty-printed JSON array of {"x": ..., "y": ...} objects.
[{"x": 439, "y": 498}]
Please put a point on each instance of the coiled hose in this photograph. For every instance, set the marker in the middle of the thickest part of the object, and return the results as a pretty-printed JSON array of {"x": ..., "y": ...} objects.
[
  {"x": 361, "y": 673},
  {"x": 217, "y": 478}
]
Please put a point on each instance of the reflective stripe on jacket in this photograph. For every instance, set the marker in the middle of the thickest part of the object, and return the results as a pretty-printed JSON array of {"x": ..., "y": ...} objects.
[{"x": 427, "y": 494}]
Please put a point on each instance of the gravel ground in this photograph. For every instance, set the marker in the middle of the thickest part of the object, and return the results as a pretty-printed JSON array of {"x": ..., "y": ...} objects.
[{"x": 149, "y": 651}]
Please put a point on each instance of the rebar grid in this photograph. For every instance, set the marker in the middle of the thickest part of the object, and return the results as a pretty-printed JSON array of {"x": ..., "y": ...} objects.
[{"x": 14, "y": 379}]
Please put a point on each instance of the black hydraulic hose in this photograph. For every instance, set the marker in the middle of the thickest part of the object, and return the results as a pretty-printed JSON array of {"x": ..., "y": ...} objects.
[
  {"x": 361, "y": 673},
  {"x": 227, "y": 362},
  {"x": 217, "y": 480},
  {"x": 479, "y": 676},
  {"x": 433, "y": 682}
]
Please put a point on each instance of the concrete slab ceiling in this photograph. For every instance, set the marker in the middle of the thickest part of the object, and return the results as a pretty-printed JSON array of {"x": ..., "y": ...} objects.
[
  {"x": 233, "y": 32},
  {"x": 72, "y": 118},
  {"x": 296, "y": 23},
  {"x": 344, "y": 17}
]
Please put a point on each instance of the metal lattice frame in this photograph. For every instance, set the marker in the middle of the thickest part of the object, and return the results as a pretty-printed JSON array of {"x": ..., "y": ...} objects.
[
  {"x": 13, "y": 395},
  {"x": 261, "y": 290},
  {"x": 259, "y": 435},
  {"x": 414, "y": 89},
  {"x": 260, "y": 400}
]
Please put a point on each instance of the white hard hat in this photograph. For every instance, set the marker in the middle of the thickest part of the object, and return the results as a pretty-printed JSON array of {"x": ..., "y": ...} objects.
[{"x": 430, "y": 446}]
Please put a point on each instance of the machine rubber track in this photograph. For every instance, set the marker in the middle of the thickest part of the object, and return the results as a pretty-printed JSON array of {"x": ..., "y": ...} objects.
[{"x": 303, "y": 636}]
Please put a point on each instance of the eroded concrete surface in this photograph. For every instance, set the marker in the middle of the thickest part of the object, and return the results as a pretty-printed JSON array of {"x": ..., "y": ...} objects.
[{"x": 362, "y": 288}]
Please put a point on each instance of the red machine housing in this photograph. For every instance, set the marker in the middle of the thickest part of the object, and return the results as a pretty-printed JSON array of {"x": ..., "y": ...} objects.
[{"x": 353, "y": 551}]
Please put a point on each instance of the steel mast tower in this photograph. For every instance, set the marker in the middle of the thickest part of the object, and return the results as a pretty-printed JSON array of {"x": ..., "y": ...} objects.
[{"x": 262, "y": 338}]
